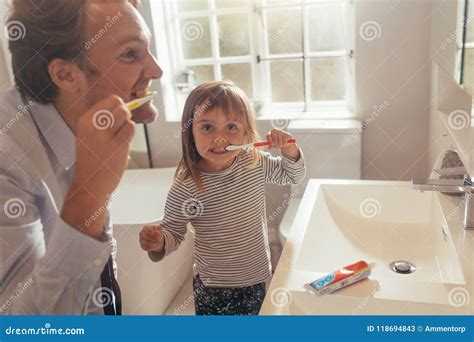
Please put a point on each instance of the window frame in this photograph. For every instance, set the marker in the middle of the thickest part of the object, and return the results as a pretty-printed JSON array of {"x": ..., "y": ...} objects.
[
  {"x": 461, "y": 44},
  {"x": 460, "y": 40},
  {"x": 259, "y": 58}
]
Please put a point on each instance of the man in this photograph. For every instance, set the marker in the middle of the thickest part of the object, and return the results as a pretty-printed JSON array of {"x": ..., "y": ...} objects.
[{"x": 65, "y": 136}]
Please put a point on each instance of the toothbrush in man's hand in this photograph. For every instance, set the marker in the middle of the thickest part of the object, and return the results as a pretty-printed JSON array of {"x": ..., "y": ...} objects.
[
  {"x": 137, "y": 103},
  {"x": 254, "y": 145}
]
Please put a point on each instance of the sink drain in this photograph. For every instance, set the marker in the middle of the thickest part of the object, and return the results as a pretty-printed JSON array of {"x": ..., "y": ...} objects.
[{"x": 402, "y": 267}]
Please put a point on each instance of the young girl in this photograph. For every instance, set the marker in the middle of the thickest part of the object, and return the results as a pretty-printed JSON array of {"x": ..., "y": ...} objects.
[{"x": 222, "y": 194}]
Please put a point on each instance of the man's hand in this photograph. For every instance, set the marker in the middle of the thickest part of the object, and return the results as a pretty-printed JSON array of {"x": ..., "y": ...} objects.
[
  {"x": 103, "y": 138},
  {"x": 151, "y": 239}
]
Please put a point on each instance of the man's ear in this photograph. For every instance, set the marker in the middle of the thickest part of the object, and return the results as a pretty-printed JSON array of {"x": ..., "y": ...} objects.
[{"x": 66, "y": 75}]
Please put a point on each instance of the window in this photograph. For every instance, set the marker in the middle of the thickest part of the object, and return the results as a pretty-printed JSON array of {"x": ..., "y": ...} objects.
[
  {"x": 290, "y": 57},
  {"x": 466, "y": 46}
]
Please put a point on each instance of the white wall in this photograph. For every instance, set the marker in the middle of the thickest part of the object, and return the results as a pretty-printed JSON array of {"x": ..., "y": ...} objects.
[
  {"x": 392, "y": 73},
  {"x": 394, "y": 70},
  {"x": 404, "y": 140}
]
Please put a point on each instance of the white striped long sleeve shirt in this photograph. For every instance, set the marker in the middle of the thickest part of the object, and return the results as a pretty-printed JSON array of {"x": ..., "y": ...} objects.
[{"x": 231, "y": 240}]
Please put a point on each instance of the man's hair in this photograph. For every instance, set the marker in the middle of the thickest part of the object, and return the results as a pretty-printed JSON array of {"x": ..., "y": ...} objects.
[{"x": 40, "y": 31}]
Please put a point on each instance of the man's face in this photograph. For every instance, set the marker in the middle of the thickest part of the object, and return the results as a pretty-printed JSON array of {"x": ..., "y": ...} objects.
[{"x": 119, "y": 55}]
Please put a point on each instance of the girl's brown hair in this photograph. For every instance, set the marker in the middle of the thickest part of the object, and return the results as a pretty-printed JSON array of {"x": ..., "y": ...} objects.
[{"x": 226, "y": 96}]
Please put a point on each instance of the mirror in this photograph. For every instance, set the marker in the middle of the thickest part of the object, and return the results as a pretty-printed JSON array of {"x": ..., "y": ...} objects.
[{"x": 453, "y": 105}]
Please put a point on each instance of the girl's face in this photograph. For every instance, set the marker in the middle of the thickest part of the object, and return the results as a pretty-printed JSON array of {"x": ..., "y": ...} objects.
[{"x": 213, "y": 131}]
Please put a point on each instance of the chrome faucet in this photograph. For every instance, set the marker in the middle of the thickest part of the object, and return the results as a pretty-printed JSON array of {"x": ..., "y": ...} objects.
[{"x": 460, "y": 186}]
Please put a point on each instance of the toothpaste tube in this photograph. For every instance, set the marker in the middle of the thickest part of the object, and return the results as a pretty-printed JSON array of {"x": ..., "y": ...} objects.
[{"x": 345, "y": 276}]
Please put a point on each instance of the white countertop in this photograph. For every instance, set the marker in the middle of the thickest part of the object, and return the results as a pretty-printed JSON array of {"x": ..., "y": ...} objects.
[{"x": 287, "y": 296}]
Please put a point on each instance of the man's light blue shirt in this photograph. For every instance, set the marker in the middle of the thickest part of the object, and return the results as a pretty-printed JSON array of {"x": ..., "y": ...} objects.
[{"x": 46, "y": 266}]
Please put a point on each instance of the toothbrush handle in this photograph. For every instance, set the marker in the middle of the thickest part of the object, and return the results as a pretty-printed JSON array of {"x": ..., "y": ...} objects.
[{"x": 266, "y": 143}]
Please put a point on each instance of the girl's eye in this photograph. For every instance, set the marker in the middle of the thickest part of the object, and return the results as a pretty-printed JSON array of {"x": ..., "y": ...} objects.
[
  {"x": 129, "y": 56},
  {"x": 232, "y": 127},
  {"x": 206, "y": 128}
]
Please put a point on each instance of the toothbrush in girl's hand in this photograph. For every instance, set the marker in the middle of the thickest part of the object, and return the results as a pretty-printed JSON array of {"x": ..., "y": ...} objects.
[
  {"x": 254, "y": 145},
  {"x": 137, "y": 103}
]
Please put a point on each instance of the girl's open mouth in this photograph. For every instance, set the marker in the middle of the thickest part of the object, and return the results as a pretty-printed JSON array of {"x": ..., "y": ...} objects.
[{"x": 219, "y": 150}]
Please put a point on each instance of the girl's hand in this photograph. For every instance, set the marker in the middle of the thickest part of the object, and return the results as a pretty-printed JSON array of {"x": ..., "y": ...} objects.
[
  {"x": 151, "y": 239},
  {"x": 278, "y": 139}
]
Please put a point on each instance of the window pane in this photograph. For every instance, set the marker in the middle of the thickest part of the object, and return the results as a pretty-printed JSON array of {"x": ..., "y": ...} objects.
[
  {"x": 325, "y": 28},
  {"x": 240, "y": 74},
  {"x": 468, "y": 79},
  {"x": 328, "y": 79},
  {"x": 233, "y": 35},
  {"x": 204, "y": 73},
  {"x": 233, "y": 3},
  {"x": 196, "y": 38},
  {"x": 287, "y": 81},
  {"x": 192, "y": 5},
  {"x": 284, "y": 30}
]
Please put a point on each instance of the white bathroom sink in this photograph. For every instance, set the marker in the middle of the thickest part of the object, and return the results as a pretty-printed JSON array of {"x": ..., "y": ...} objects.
[
  {"x": 341, "y": 221},
  {"x": 381, "y": 223}
]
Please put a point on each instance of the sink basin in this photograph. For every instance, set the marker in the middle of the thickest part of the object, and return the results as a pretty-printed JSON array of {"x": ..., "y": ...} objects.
[
  {"x": 342, "y": 221},
  {"x": 380, "y": 223}
]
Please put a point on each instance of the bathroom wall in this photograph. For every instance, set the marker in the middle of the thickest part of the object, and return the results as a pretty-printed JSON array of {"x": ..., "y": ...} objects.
[
  {"x": 403, "y": 141},
  {"x": 392, "y": 75},
  {"x": 392, "y": 86}
]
